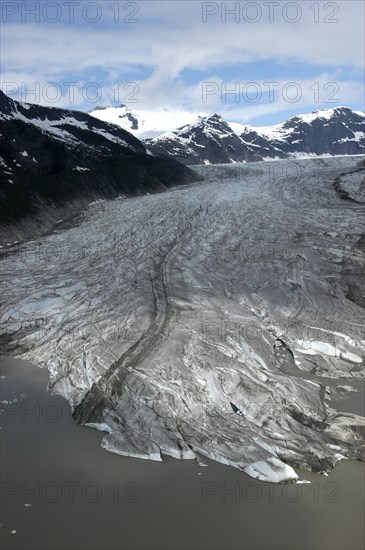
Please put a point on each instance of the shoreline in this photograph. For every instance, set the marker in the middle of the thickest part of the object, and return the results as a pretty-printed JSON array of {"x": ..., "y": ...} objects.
[{"x": 48, "y": 448}]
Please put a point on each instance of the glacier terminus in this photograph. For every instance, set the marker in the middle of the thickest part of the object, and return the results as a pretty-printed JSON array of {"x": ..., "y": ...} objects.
[{"x": 220, "y": 318}]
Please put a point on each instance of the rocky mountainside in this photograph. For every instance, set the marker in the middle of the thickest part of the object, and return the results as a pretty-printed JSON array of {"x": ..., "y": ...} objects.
[
  {"x": 338, "y": 131},
  {"x": 54, "y": 162},
  {"x": 210, "y": 139}
]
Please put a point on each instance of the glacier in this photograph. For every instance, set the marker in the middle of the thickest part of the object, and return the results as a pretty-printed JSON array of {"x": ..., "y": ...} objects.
[{"x": 155, "y": 314}]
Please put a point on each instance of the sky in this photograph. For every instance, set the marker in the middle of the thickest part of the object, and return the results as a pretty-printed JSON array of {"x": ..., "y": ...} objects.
[{"x": 254, "y": 62}]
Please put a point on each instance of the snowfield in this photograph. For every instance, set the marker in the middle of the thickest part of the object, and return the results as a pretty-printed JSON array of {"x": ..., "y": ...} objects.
[
  {"x": 211, "y": 320},
  {"x": 150, "y": 123}
]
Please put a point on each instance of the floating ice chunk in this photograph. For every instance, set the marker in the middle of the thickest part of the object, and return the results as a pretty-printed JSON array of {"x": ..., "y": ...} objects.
[
  {"x": 347, "y": 389},
  {"x": 273, "y": 470}
]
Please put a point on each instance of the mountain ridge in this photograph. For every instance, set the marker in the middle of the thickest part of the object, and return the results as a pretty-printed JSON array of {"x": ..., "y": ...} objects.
[
  {"x": 54, "y": 162},
  {"x": 334, "y": 131},
  {"x": 338, "y": 131}
]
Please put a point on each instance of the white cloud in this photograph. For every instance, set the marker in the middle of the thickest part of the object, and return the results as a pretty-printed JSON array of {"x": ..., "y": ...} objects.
[
  {"x": 180, "y": 40},
  {"x": 171, "y": 38},
  {"x": 346, "y": 93}
]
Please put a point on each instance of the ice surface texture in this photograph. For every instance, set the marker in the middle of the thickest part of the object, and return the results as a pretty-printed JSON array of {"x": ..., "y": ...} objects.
[{"x": 158, "y": 313}]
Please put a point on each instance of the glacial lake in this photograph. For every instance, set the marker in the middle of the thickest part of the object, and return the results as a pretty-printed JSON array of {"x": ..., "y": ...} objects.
[{"x": 61, "y": 490}]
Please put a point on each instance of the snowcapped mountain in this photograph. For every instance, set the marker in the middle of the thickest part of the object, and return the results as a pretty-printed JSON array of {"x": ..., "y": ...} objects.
[
  {"x": 198, "y": 138},
  {"x": 209, "y": 140},
  {"x": 53, "y": 162},
  {"x": 146, "y": 124},
  {"x": 338, "y": 131}
]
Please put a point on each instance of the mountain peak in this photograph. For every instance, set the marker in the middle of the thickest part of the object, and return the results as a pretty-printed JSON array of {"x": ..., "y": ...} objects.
[
  {"x": 335, "y": 131},
  {"x": 215, "y": 116},
  {"x": 208, "y": 123},
  {"x": 55, "y": 161}
]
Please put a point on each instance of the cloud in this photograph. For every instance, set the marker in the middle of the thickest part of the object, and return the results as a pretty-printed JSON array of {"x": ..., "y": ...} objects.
[
  {"x": 178, "y": 39},
  {"x": 171, "y": 37},
  {"x": 327, "y": 93}
]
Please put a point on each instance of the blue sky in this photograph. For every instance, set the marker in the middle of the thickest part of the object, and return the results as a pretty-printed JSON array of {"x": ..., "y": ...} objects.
[{"x": 259, "y": 64}]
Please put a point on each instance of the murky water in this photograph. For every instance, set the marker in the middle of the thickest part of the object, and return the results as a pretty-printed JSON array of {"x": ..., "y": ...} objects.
[{"x": 60, "y": 490}]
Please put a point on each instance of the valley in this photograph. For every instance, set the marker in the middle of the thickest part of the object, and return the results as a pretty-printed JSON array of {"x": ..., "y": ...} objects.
[{"x": 207, "y": 321}]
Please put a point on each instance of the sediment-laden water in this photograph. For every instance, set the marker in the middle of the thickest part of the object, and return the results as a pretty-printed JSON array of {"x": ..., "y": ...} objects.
[{"x": 61, "y": 491}]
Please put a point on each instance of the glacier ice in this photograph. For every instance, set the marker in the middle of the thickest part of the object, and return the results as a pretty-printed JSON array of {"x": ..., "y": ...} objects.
[{"x": 154, "y": 314}]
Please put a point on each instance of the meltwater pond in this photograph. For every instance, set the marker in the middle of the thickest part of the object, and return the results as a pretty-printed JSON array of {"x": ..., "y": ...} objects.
[{"x": 60, "y": 490}]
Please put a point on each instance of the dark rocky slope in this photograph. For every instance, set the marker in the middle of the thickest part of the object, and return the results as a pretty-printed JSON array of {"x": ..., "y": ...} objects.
[
  {"x": 211, "y": 140},
  {"x": 338, "y": 131},
  {"x": 54, "y": 162}
]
